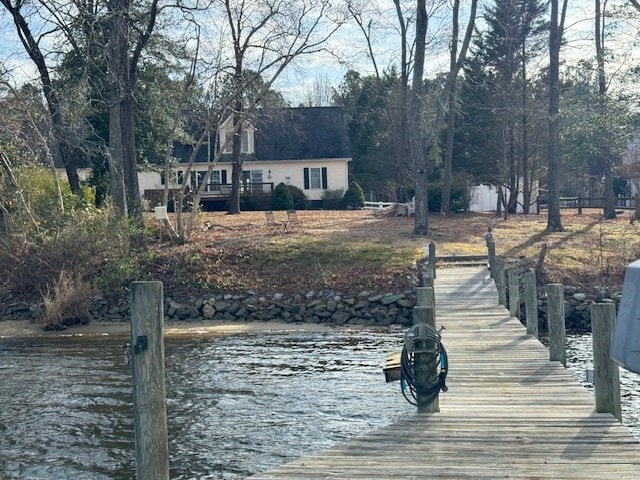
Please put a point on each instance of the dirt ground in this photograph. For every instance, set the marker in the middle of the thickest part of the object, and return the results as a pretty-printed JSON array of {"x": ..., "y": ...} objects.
[{"x": 591, "y": 252}]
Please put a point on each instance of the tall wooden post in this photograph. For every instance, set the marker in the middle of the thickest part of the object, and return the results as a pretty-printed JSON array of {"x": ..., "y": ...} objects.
[
  {"x": 432, "y": 258},
  {"x": 425, "y": 372},
  {"x": 557, "y": 328},
  {"x": 425, "y": 297},
  {"x": 531, "y": 302},
  {"x": 500, "y": 282},
  {"x": 514, "y": 292},
  {"x": 428, "y": 277},
  {"x": 149, "y": 400},
  {"x": 606, "y": 376},
  {"x": 491, "y": 254}
]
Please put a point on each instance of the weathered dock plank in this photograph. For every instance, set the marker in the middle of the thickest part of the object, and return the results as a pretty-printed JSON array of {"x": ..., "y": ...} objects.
[{"x": 509, "y": 411}]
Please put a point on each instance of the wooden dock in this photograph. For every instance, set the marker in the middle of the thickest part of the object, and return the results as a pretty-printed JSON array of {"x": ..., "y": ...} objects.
[{"x": 509, "y": 412}]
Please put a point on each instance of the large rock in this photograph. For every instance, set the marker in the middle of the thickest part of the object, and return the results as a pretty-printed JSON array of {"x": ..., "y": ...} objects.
[{"x": 340, "y": 317}]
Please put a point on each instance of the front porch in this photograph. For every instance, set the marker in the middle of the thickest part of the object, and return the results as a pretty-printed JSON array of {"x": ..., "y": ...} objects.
[{"x": 216, "y": 196}]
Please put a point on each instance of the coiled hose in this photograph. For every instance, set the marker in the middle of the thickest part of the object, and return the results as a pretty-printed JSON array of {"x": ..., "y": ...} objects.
[{"x": 425, "y": 340}]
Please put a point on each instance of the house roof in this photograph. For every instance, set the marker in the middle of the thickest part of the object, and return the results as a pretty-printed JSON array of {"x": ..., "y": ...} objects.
[{"x": 302, "y": 133}]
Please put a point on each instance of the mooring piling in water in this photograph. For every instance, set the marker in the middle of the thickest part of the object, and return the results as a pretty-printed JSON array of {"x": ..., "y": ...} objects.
[{"x": 149, "y": 397}]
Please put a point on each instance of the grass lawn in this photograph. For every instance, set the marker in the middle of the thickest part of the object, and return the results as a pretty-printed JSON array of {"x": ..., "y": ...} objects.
[{"x": 352, "y": 251}]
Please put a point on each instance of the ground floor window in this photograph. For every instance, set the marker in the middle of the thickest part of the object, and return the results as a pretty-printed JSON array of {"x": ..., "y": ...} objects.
[
  {"x": 217, "y": 178},
  {"x": 252, "y": 176},
  {"x": 315, "y": 178}
]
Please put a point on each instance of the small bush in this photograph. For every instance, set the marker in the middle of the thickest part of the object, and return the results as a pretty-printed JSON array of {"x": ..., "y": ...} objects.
[
  {"x": 281, "y": 199},
  {"x": 298, "y": 197},
  {"x": 333, "y": 194},
  {"x": 67, "y": 301},
  {"x": 354, "y": 196}
]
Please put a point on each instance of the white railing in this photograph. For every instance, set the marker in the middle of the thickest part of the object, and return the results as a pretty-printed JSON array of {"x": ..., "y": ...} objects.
[{"x": 378, "y": 205}]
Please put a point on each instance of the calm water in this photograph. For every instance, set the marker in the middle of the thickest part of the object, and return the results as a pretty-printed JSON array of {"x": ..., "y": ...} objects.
[{"x": 237, "y": 405}]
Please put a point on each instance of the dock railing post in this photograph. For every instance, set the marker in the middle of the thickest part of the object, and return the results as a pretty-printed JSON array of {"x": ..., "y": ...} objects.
[
  {"x": 491, "y": 250},
  {"x": 557, "y": 328},
  {"x": 531, "y": 302},
  {"x": 425, "y": 369},
  {"x": 491, "y": 253},
  {"x": 425, "y": 297},
  {"x": 428, "y": 277},
  {"x": 514, "y": 292},
  {"x": 500, "y": 282},
  {"x": 606, "y": 380},
  {"x": 432, "y": 258},
  {"x": 149, "y": 398}
]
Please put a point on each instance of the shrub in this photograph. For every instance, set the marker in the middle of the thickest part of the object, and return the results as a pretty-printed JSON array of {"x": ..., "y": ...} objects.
[
  {"x": 333, "y": 194},
  {"x": 298, "y": 197},
  {"x": 67, "y": 301},
  {"x": 281, "y": 199},
  {"x": 354, "y": 196},
  {"x": 87, "y": 241}
]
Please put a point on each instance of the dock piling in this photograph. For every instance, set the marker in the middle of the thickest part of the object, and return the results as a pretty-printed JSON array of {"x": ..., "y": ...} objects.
[
  {"x": 149, "y": 398},
  {"x": 531, "y": 302},
  {"x": 425, "y": 369},
  {"x": 557, "y": 328},
  {"x": 514, "y": 292},
  {"x": 606, "y": 375}
]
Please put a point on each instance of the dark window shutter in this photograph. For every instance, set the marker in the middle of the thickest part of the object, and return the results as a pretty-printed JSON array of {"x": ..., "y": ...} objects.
[
  {"x": 306, "y": 179},
  {"x": 223, "y": 177},
  {"x": 324, "y": 178}
]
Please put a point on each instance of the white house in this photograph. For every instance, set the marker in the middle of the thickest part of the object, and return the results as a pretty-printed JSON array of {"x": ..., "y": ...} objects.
[{"x": 305, "y": 147}]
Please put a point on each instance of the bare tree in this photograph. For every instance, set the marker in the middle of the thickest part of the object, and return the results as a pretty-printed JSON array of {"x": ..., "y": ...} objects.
[
  {"x": 455, "y": 64},
  {"x": 31, "y": 115},
  {"x": 33, "y": 46},
  {"x": 319, "y": 93},
  {"x": 417, "y": 138},
  {"x": 554, "y": 221},
  {"x": 266, "y": 38},
  {"x": 608, "y": 156},
  {"x": 125, "y": 47},
  {"x": 397, "y": 113}
]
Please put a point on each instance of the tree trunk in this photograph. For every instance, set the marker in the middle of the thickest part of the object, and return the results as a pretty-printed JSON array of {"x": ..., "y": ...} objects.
[
  {"x": 236, "y": 155},
  {"x": 455, "y": 63},
  {"x": 609, "y": 206},
  {"x": 134, "y": 204},
  {"x": 554, "y": 222},
  {"x": 609, "y": 210},
  {"x": 526, "y": 188},
  {"x": 445, "y": 200},
  {"x": 421, "y": 225},
  {"x": 119, "y": 76},
  {"x": 402, "y": 136},
  {"x": 512, "y": 202}
]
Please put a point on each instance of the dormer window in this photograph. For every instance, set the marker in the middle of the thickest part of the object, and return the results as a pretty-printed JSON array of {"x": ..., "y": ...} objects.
[{"x": 244, "y": 142}]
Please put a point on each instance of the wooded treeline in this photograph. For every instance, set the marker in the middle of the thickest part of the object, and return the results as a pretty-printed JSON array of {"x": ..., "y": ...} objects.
[{"x": 115, "y": 83}]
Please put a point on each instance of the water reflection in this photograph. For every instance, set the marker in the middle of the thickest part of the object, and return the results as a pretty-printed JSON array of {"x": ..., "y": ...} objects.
[
  {"x": 236, "y": 405},
  {"x": 580, "y": 358}
]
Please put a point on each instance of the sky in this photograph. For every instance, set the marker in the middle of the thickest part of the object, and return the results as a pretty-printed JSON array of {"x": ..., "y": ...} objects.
[{"x": 347, "y": 48}]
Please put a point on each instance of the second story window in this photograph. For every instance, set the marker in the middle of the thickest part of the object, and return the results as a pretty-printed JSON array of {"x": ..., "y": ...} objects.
[{"x": 244, "y": 142}]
